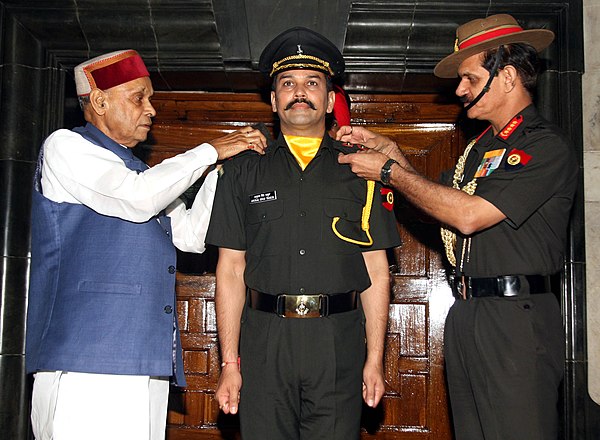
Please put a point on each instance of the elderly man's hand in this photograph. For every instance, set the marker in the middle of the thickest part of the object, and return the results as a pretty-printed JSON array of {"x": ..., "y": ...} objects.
[{"x": 247, "y": 138}]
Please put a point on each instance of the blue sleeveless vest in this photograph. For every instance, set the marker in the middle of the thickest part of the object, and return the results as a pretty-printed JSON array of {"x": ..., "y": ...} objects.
[{"x": 102, "y": 289}]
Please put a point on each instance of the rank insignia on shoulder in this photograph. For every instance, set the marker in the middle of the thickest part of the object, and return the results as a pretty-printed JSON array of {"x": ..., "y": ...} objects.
[
  {"x": 516, "y": 159},
  {"x": 354, "y": 146},
  {"x": 387, "y": 198},
  {"x": 510, "y": 127}
]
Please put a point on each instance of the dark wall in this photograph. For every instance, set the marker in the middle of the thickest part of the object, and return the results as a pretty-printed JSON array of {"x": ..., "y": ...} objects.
[{"x": 389, "y": 46}]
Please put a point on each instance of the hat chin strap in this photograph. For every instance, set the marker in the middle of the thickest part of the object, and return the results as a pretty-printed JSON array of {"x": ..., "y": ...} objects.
[{"x": 493, "y": 73}]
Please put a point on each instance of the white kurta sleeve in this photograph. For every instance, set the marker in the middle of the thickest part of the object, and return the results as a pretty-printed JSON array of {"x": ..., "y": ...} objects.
[
  {"x": 190, "y": 225},
  {"x": 77, "y": 171}
]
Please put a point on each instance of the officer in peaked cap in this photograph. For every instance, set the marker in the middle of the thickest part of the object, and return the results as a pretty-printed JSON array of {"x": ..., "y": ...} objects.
[{"x": 302, "y": 255}]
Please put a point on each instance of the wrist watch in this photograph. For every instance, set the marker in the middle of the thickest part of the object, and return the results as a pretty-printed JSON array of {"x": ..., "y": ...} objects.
[{"x": 386, "y": 171}]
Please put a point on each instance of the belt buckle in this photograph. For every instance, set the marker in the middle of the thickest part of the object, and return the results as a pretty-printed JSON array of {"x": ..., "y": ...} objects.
[
  {"x": 462, "y": 287},
  {"x": 299, "y": 306},
  {"x": 509, "y": 285}
]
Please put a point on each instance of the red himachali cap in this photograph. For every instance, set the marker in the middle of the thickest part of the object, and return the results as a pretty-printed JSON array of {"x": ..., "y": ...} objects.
[{"x": 109, "y": 70}]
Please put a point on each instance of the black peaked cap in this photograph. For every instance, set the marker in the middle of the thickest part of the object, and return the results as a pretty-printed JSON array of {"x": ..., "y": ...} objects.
[{"x": 301, "y": 48}]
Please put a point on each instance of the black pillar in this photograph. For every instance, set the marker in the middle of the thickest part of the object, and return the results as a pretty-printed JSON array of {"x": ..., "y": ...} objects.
[{"x": 20, "y": 115}]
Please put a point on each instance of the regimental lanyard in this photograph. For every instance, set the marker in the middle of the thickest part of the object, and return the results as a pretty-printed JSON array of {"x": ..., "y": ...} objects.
[
  {"x": 364, "y": 220},
  {"x": 449, "y": 236}
]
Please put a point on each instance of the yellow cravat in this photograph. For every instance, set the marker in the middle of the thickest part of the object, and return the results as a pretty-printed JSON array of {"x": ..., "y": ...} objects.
[{"x": 303, "y": 148}]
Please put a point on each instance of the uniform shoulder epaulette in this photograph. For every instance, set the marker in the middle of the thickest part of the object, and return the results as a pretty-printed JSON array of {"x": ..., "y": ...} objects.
[
  {"x": 508, "y": 130},
  {"x": 352, "y": 148},
  {"x": 244, "y": 154}
]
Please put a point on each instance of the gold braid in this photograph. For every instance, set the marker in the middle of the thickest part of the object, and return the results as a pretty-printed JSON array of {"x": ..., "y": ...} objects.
[{"x": 449, "y": 236}]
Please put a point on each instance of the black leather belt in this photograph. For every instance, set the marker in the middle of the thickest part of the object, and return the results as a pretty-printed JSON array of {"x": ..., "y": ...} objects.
[
  {"x": 504, "y": 286},
  {"x": 303, "y": 306}
]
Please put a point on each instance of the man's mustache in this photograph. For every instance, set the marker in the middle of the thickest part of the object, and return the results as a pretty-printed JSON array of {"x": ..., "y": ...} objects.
[
  {"x": 464, "y": 99},
  {"x": 300, "y": 101}
]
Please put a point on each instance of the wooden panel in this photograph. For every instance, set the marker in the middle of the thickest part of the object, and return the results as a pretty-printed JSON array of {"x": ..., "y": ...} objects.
[{"x": 415, "y": 403}]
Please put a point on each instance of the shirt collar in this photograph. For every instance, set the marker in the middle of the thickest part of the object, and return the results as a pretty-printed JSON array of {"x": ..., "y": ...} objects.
[{"x": 327, "y": 143}]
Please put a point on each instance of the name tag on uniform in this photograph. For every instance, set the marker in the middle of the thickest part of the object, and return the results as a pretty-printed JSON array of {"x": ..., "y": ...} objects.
[
  {"x": 491, "y": 160},
  {"x": 267, "y": 196}
]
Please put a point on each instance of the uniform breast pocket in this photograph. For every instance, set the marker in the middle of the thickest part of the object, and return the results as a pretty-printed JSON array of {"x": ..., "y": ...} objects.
[
  {"x": 341, "y": 228},
  {"x": 266, "y": 233}
]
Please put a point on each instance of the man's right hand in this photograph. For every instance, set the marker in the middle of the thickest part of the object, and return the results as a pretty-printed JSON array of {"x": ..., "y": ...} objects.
[
  {"x": 246, "y": 138},
  {"x": 356, "y": 134},
  {"x": 228, "y": 389}
]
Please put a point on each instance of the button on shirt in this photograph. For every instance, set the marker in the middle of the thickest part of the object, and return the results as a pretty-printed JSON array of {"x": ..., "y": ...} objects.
[
  {"x": 110, "y": 188},
  {"x": 282, "y": 218},
  {"x": 535, "y": 197}
]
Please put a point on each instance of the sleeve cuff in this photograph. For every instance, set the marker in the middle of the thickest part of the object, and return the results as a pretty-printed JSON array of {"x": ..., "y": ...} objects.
[{"x": 206, "y": 151}]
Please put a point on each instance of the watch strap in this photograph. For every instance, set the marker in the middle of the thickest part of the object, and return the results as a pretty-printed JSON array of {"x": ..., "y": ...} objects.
[{"x": 386, "y": 171}]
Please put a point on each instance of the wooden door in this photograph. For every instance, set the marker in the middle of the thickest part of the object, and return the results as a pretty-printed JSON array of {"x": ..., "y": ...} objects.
[{"x": 415, "y": 405}]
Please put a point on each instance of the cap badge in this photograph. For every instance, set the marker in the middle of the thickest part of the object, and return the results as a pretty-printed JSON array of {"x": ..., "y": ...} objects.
[{"x": 299, "y": 51}]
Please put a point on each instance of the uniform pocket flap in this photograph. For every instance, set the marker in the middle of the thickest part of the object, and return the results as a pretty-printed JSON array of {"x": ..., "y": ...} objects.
[
  {"x": 345, "y": 209},
  {"x": 264, "y": 212}
]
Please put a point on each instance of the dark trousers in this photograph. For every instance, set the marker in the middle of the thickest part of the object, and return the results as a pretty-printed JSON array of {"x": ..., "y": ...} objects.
[
  {"x": 302, "y": 378},
  {"x": 504, "y": 364}
]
